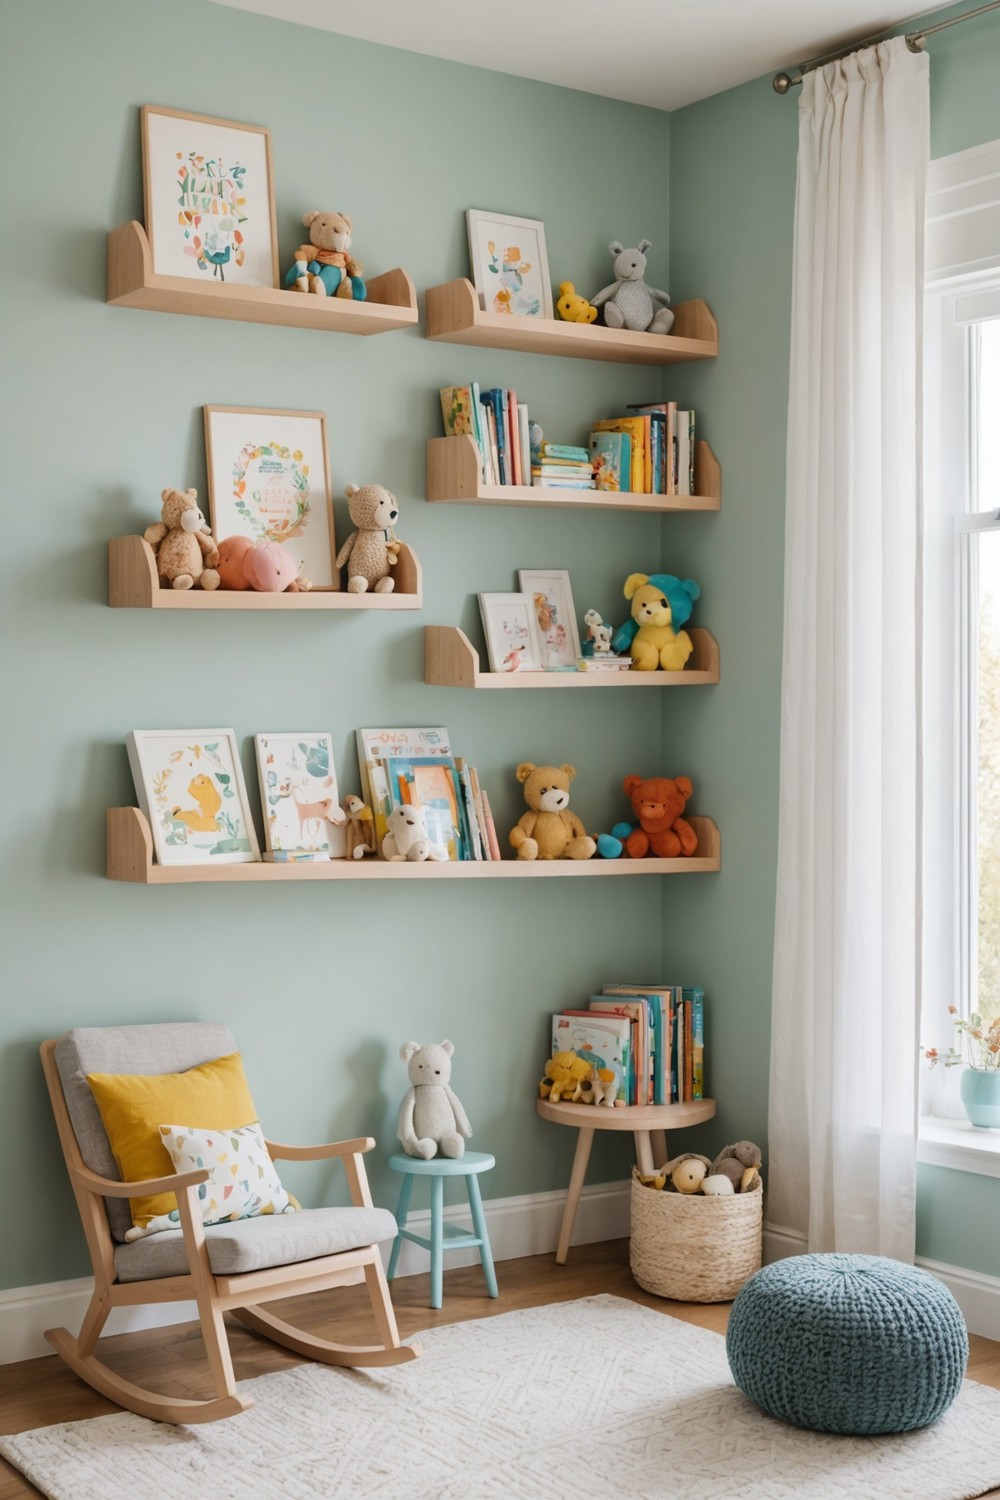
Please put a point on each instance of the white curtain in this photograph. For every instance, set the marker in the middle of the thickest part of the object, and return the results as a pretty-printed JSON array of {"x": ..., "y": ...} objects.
[{"x": 842, "y": 1118}]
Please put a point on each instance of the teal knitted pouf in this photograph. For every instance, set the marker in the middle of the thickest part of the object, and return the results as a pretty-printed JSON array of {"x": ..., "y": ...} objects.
[{"x": 854, "y": 1344}]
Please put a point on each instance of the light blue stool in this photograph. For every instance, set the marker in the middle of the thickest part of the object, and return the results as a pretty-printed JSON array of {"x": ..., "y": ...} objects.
[{"x": 442, "y": 1234}]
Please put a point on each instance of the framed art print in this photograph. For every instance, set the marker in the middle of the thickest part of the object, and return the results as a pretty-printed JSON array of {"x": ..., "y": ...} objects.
[
  {"x": 190, "y": 786},
  {"x": 510, "y": 268},
  {"x": 555, "y": 618},
  {"x": 509, "y": 627},
  {"x": 298, "y": 793},
  {"x": 208, "y": 190},
  {"x": 269, "y": 479}
]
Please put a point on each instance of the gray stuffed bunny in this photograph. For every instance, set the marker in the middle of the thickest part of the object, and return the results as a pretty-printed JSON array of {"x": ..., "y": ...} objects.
[{"x": 628, "y": 302}]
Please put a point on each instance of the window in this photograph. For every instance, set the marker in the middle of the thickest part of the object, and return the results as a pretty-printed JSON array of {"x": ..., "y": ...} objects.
[{"x": 962, "y": 613}]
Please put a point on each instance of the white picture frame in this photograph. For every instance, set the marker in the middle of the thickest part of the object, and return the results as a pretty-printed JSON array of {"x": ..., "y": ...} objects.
[
  {"x": 511, "y": 636},
  {"x": 269, "y": 479},
  {"x": 298, "y": 794},
  {"x": 556, "y": 631},
  {"x": 510, "y": 267},
  {"x": 208, "y": 194},
  {"x": 190, "y": 787}
]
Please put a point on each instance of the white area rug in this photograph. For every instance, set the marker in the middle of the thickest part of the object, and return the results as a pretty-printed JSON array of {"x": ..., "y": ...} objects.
[{"x": 595, "y": 1398}]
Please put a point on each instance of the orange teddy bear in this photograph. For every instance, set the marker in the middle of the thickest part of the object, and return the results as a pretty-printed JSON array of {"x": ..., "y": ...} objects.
[{"x": 658, "y": 804}]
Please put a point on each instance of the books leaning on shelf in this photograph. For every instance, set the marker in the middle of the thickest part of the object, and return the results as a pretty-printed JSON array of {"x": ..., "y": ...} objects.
[
  {"x": 674, "y": 1064},
  {"x": 498, "y": 424},
  {"x": 672, "y": 446},
  {"x": 415, "y": 767}
]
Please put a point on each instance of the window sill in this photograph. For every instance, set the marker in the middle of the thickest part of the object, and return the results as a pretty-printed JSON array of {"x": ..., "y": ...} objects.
[{"x": 959, "y": 1145}]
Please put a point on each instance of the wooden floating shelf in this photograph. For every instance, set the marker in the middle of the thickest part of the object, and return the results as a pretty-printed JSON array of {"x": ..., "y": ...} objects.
[
  {"x": 132, "y": 282},
  {"x": 133, "y": 584},
  {"x": 454, "y": 477},
  {"x": 627, "y": 1116},
  {"x": 455, "y": 317},
  {"x": 451, "y": 660},
  {"x": 130, "y": 858}
]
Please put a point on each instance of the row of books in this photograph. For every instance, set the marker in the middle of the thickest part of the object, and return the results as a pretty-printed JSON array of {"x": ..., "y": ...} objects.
[
  {"x": 650, "y": 452},
  {"x": 415, "y": 767},
  {"x": 652, "y": 1037},
  {"x": 498, "y": 423}
]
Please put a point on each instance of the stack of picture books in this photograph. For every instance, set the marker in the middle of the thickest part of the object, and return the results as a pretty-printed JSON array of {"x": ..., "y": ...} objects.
[
  {"x": 498, "y": 424},
  {"x": 651, "y": 1036},
  {"x": 650, "y": 452},
  {"x": 415, "y": 767},
  {"x": 561, "y": 466}
]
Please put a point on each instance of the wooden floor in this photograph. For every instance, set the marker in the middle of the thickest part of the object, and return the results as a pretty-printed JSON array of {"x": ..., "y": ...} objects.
[{"x": 38, "y": 1392}]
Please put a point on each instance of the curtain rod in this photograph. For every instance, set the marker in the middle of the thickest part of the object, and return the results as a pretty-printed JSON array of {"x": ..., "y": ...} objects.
[{"x": 784, "y": 81}]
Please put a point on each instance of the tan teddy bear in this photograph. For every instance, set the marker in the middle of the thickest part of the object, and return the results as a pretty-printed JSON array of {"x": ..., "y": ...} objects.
[
  {"x": 549, "y": 830},
  {"x": 186, "y": 553},
  {"x": 373, "y": 510},
  {"x": 324, "y": 266}
]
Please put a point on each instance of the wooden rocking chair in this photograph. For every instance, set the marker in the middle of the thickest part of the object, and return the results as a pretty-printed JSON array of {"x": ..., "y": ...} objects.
[{"x": 231, "y": 1267}]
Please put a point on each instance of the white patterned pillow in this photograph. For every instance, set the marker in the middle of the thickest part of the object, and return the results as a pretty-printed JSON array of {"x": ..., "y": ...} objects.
[{"x": 242, "y": 1181}]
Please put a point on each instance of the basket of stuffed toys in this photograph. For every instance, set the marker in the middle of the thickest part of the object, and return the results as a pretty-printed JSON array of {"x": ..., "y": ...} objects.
[{"x": 697, "y": 1224}]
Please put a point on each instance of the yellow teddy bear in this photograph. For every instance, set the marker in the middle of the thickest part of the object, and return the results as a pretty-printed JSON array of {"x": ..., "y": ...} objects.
[
  {"x": 572, "y": 307},
  {"x": 565, "y": 1075},
  {"x": 661, "y": 604}
]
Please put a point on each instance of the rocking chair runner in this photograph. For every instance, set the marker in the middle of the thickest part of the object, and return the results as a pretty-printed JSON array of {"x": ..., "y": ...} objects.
[{"x": 230, "y": 1267}]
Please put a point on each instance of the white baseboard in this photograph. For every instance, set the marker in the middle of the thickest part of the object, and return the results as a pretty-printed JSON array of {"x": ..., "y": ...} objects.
[
  {"x": 977, "y": 1294},
  {"x": 527, "y": 1225}
]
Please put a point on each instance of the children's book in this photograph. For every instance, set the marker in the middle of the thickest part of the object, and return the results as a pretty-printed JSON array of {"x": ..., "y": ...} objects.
[
  {"x": 638, "y": 1012},
  {"x": 432, "y": 783},
  {"x": 656, "y": 997},
  {"x": 637, "y": 431},
  {"x": 494, "y": 400},
  {"x": 374, "y": 745},
  {"x": 563, "y": 450},
  {"x": 668, "y": 411},
  {"x": 602, "y": 1041},
  {"x": 513, "y": 438},
  {"x": 491, "y": 831},
  {"x": 476, "y": 837},
  {"x": 685, "y": 453},
  {"x": 611, "y": 457},
  {"x": 524, "y": 440},
  {"x": 697, "y": 1041}
]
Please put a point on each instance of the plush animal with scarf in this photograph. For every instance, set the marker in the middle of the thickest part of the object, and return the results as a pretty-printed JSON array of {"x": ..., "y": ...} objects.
[
  {"x": 661, "y": 604},
  {"x": 324, "y": 266}
]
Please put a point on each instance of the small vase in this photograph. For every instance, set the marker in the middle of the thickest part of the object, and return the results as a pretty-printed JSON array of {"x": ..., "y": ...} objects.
[{"x": 981, "y": 1096}]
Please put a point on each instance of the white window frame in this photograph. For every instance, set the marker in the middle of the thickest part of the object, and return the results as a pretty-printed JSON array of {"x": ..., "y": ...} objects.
[{"x": 963, "y": 287}]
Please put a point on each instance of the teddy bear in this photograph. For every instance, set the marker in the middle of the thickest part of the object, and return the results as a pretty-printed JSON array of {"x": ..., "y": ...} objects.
[
  {"x": 652, "y": 637},
  {"x": 738, "y": 1166},
  {"x": 687, "y": 1172},
  {"x": 566, "y": 1074},
  {"x": 407, "y": 836},
  {"x": 369, "y": 552},
  {"x": 661, "y": 830},
  {"x": 431, "y": 1118},
  {"x": 549, "y": 830},
  {"x": 360, "y": 827},
  {"x": 185, "y": 550},
  {"x": 324, "y": 265},
  {"x": 572, "y": 307},
  {"x": 628, "y": 302}
]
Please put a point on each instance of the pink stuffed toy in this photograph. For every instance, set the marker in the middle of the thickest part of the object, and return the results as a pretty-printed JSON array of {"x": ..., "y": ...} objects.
[{"x": 265, "y": 566}]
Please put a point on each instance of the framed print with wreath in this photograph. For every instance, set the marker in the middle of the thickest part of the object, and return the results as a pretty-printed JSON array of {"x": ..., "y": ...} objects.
[
  {"x": 189, "y": 783},
  {"x": 208, "y": 191},
  {"x": 269, "y": 479}
]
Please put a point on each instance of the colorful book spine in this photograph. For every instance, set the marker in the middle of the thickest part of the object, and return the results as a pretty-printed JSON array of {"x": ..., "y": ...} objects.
[
  {"x": 491, "y": 829},
  {"x": 563, "y": 450},
  {"x": 698, "y": 1042},
  {"x": 524, "y": 440}
]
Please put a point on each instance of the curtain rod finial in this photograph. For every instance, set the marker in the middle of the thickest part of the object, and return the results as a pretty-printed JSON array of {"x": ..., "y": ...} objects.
[
  {"x": 782, "y": 82},
  {"x": 916, "y": 41}
]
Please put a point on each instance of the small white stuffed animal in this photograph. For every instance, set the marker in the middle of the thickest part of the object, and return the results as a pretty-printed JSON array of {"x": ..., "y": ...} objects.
[
  {"x": 431, "y": 1117},
  {"x": 628, "y": 302},
  {"x": 407, "y": 836},
  {"x": 599, "y": 633}
]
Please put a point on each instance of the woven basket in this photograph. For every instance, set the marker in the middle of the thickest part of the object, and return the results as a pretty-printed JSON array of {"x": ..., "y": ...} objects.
[{"x": 693, "y": 1248}]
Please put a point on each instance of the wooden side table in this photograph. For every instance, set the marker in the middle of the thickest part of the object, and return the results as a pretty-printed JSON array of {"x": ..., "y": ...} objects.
[{"x": 648, "y": 1123}]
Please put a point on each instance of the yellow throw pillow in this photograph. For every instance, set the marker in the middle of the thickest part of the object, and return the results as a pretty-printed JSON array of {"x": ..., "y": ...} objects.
[{"x": 214, "y": 1096}]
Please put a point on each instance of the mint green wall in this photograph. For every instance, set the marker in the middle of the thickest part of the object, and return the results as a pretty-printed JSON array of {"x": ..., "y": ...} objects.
[
  {"x": 731, "y": 205},
  {"x": 102, "y": 408}
]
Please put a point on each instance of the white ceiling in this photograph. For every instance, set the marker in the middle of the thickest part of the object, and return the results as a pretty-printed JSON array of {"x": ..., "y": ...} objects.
[{"x": 664, "y": 53}]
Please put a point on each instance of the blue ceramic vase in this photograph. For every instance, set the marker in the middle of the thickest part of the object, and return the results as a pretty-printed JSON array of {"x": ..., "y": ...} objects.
[{"x": 980, "y": 1090}]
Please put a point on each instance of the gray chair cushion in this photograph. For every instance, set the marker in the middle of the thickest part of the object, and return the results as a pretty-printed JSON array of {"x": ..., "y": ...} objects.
[
  {"x": 258, "y": 1244},
  {"x": 170, "y": 1047}
]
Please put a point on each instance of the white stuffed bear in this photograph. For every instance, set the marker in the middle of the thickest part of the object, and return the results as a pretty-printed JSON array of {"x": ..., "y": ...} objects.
[
  {"x": 407, "y": 836},
  {"x": 431, "y": 1117},
  {"x": 628, "y": 302}
]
